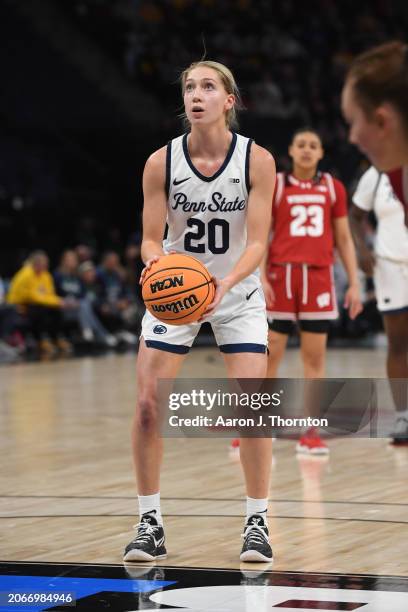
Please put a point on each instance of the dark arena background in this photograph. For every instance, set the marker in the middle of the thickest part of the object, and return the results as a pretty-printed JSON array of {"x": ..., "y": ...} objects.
[{"x": 89, "y": 89}]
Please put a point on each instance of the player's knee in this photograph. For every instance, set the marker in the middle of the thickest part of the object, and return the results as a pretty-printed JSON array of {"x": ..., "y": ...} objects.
[
  {"x": 314, "y": 361},
  {"x": 146, "y": 413}
]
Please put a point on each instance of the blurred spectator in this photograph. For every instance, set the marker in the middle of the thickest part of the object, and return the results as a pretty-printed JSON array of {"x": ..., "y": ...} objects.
[
  {"x": 69, "y": 285},
  {"x": 91, "y": 291},
  {"x": 32, "y": 291},
  {"x": 84, "y": 253},
  {"x": 111, "y": 275},
  {"x": 91, "y": 285},
  {"x": 8, "y": 314},
  {"x": 115, "y": 298},
  {"x": 133, "y": 269},
  {"x": 66, "y": 279},
  {"x": 8, "y": 321}
]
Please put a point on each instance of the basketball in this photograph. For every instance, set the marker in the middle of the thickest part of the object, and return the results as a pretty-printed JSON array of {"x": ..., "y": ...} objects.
[{"x": 177, "y": 289}]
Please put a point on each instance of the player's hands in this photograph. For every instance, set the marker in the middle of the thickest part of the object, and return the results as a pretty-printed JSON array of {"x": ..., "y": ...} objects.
[
  {"x": 147, "y": 267},
  {"x": 221, "y": 288},
  {"x": 352, "y": 301},
  {"x": 149, "y": 264},
  {"x": 268, "y": 292}
]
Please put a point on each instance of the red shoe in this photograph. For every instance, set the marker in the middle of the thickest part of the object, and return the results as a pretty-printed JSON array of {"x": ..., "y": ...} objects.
[{"x": 312, "y": 444}]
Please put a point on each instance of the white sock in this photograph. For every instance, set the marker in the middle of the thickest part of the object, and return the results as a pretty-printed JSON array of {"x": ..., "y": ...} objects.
[
  {"x": 148, "y": 503},
  {"x": 256, "y": 506}
]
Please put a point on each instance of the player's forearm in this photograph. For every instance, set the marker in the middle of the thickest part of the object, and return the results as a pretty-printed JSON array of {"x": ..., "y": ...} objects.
[
  {"x": 248, "y": 262},
  {"x": 151, "y": 248},
  {"x": 357, "y": 231},
  {"x": 347, "y": 254}
]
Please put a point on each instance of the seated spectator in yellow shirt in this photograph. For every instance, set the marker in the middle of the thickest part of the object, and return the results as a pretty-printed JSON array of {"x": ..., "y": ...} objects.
[{"x": 32, "y": 291}]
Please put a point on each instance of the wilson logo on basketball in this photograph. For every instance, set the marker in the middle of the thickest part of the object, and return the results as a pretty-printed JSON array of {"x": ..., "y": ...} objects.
[
  {"x": 177, "y": 289},
  {"x": 167, "y": 283},
  {"x": 177, "y": 306}
]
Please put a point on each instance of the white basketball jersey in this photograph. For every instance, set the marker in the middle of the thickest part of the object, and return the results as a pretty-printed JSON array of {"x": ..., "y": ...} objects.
[
  {"x": 374, "y": 192},
  {"x": 207, "y": 216}
]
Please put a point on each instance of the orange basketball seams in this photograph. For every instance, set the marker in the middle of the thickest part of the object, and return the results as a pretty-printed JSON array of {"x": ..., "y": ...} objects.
[{"x": 178, "y": 289}]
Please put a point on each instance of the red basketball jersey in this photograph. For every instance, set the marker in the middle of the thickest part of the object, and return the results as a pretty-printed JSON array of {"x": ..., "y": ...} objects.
[{"x": 302, "y": 215}]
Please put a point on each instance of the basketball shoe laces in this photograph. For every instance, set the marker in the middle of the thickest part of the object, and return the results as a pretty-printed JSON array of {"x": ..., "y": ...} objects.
[
  {"x": 254, "y": 533},
  {"x": 145, "y": 531}
]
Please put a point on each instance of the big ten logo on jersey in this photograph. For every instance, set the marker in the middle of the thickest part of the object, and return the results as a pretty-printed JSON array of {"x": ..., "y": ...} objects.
[
  {"x": 308, "y": 214},
  {"x": 167, "y": 283}
]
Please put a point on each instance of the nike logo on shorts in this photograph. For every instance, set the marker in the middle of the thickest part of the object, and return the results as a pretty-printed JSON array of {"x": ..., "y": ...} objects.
[
  {"x": 249, "y": 295},
  {"x": 176, "y": 182}
]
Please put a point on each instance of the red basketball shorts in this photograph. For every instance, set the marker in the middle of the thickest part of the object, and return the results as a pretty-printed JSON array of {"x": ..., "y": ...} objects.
[{"x": 302, "y": 292}]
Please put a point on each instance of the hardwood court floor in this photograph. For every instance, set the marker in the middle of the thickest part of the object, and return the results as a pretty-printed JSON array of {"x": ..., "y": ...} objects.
[{"x": 67, "y": 489}]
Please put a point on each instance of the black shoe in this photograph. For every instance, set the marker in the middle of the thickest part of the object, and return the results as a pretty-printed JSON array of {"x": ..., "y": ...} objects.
[
  {"x": 256, "y": 545},
  {"x": 400, "y": 434},
  {"x": 148, "y": 545}
]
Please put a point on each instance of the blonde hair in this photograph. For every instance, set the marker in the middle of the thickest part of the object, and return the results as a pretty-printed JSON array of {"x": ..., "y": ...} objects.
[{"x": 229, "y": 84}]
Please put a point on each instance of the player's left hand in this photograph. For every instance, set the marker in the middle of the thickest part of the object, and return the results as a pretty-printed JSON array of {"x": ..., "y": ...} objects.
[
  {"x": 352, "y": 301},
  {"x": 221, "y": 288}
]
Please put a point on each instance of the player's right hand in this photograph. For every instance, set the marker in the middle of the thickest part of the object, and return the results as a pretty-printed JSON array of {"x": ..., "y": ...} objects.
[
  {"x": 147, "y": 267},
  {"x": 221, "y": 288},
  {"x": 352, "y": 301},
  {"x": 149, "y": 264}
]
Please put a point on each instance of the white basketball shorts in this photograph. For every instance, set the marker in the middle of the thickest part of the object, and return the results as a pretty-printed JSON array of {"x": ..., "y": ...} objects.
[
  {"x": 239, "y": 325},
  {"x": 391, "y": 285}
]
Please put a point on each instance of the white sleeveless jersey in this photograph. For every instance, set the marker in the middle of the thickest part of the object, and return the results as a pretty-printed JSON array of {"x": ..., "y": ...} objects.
[
  {"x": 207, "y": 216},
  {"x": 374, "y": 192}
]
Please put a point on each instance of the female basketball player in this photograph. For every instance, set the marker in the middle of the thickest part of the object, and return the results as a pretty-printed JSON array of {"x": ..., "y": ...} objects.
[
  {"x": 389, "y": 267},
  {"x": 374, "y": 103},
  {"x": 214, "y": 188},
  {"x": 309, "y": 217}
]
